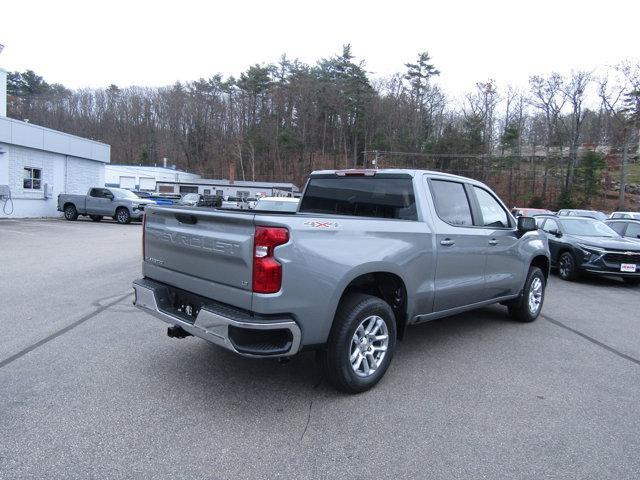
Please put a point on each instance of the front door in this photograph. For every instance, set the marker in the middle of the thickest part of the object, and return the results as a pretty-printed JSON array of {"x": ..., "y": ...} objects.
[
  {"x": 461, "y": 248},
  {"x": 503, "y": 268},
  {"x": 98, "y": 204}
]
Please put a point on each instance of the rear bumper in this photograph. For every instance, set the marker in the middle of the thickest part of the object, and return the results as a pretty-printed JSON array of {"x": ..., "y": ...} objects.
[{"x": 225, "y": 326}]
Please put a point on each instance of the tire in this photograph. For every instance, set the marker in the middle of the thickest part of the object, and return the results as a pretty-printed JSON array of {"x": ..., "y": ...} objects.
[
  {"x": 357, "y": 316},
  {"x": 123, "y": 216},
  {"x": 529, "y": 306},
  {"x": 567, "y": 267},
  {"x": 95, "y": 218},
  {"x": 70, "y": 213},
  {"x": 633, "y": 281}
]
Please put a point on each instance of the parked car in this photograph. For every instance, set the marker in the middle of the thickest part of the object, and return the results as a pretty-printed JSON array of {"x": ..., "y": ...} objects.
[
  {"x": 529, "y": 212},
  {"x": 585, "y": 245},
  {"x": 626, "y": 228},
  {"x": 123, "y": 205},
  {"x": 199, "y": 200},
  {"x": 595, "y": 214},
  {"x": 631, "y": 215},
  {"x": 231, "y": 202},
  {"x": 141, "y": 194},
  {"x": 368, "y": 253},
  {"x": 277, "y": 204}
]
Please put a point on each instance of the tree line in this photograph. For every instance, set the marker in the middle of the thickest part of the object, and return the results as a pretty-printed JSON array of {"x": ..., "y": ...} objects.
[{"x": 281, "y": 120}]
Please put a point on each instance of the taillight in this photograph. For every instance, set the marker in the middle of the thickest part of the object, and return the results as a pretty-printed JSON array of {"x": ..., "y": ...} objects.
[
  {"x": 144, "y": 228},
  {"x": 267, "y": 271}
]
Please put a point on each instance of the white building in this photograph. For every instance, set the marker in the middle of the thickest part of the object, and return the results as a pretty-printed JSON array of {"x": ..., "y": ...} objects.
[
  {"x": 207, "y": 186},
  {"x": 37, "y": 164},
  {"x": 138, "y": 177}
]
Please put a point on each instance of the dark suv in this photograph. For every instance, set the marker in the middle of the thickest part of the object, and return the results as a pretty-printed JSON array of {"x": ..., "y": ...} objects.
[{"x": 584, "y": 245}]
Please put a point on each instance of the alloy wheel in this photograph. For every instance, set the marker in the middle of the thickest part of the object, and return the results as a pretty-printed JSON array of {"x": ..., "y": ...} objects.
[
  {"x": 535, "y": 295},
  {"x": 369, "y": 346}
]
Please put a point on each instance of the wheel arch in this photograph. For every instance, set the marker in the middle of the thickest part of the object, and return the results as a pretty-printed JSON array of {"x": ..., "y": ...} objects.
[{"x": 384, "y": 284}]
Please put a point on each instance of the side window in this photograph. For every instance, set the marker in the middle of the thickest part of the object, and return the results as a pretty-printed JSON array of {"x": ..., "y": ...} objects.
[
  {"x": 550, "y": 225},
  {"x": 633, "y": 230},
  {"x": 617, "y": 227},
  {"x": 540, "y": 221},
  {"x": 96, "y": 193},
  {"x": 451, "y": 202},
  {"x": 493, "y": 215}
]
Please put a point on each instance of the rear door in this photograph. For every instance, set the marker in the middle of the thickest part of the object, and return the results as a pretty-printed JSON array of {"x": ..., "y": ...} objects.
[
  {"x": 461, "y": 248},
  {"x": 202, "y": 251}
]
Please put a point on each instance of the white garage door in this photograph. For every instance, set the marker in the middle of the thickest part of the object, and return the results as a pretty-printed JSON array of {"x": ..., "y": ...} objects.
[
  {"x": 128, "y": 182},
  {"x": 148, "y": 183}
]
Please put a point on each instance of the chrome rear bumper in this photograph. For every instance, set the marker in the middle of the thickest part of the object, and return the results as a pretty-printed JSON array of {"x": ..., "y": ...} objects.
[{"x": 215, "y": 327}]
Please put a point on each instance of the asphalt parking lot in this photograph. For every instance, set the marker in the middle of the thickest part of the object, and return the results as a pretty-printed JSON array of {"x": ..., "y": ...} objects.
[{"x": 92, "y": 388}]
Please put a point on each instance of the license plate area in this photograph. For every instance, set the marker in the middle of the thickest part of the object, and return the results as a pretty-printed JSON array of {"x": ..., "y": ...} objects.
[
  {"x": 183, "y": 305},
  {"x": 628, "y": 267}
]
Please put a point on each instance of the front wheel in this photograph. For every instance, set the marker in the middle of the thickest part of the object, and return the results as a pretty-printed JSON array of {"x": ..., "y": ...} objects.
[
  {"x": 361, "y": 343},
  {"x": 528, "y": 307},
  {"x": 123, "y": 216},
  {"x": 567, "y": 267}
]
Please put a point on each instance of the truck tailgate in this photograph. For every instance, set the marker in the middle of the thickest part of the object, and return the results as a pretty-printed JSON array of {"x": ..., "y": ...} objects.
[{"x": 187, "y": 247}]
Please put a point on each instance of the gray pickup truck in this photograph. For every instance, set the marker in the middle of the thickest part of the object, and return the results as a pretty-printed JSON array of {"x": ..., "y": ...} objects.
[
  {"x": 368, "y": 253},
  {"x": 123, "y": 205}
]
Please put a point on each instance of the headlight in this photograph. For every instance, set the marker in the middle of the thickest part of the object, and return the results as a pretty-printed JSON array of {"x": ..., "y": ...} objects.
[{"x": 590, "y": 250}]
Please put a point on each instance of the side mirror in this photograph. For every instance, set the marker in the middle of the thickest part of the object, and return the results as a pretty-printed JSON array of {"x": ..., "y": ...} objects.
[{"x": 527, "y": 224}]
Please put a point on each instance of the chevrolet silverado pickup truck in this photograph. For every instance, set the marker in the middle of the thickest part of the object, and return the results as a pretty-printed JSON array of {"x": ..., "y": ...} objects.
[
  {"x": 123, "y": 205},
  {"x": 367, "y": 254}
]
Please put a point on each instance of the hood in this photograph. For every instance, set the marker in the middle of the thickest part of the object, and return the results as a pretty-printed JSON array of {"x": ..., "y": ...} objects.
[{"x": 608, "y": 243}]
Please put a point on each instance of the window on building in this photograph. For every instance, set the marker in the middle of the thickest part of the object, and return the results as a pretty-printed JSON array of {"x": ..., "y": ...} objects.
[
  {"x": 165, "y": 188},
  {"x": 242, "y": 194},
  {"x": 32, "y": 178},
  {"x": 188, "y": 189},
  {"x": 220, "y": 193},
  {"x": 493, "y": 215},
  {"x": 452, "y": 203},
  {"x": 207, "y": 191}
]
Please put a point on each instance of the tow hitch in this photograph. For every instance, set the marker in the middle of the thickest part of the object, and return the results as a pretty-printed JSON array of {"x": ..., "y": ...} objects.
[{"x": 177, "y": 332}]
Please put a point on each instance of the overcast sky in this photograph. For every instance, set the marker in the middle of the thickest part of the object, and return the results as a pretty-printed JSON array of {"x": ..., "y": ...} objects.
[{"x": 82, "y": 44}]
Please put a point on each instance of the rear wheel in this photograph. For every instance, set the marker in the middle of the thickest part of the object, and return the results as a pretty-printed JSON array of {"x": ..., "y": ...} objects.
[
  {"x": 95, "y": 218},
  {"x": 70, "y": 213},
  {"x": 528, "y": 307},
  {"x": 567, "y": 267},
  {"x": 633, "y": 281},
  {"x": 123, "y": 216},
  {"x": 361, "y": 343}
]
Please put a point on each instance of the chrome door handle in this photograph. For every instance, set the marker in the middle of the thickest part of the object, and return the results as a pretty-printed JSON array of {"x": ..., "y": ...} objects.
[
  {"x": 447, "y": 242},
  {"x": 493, "y": 242}
]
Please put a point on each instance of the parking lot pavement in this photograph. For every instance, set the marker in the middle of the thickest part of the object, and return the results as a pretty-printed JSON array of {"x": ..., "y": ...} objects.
[{"x": 92, "y": 388}]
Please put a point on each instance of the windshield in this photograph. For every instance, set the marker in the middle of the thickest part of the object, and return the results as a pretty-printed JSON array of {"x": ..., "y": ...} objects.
[
  {"x": 276, "y": 206},
  {"x": 587, "y": 228},
  {"x": 122, "y": 193}
]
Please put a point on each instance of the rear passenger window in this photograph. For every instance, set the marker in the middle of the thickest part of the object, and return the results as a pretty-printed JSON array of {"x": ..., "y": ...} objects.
[
  {"x": 493, "y": 215},
  {"x": 451, "y": 202}
]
